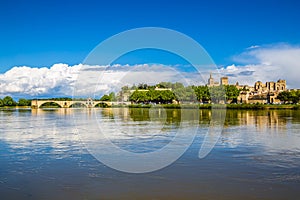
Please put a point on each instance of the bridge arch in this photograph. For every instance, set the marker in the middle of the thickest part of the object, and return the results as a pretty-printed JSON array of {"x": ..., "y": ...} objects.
[
  {"x": 77, "y": 104},
  {"x": 67, "y": 104},
  {"x": 52, "y": 103},
  {"x": 102, "y": 104}
]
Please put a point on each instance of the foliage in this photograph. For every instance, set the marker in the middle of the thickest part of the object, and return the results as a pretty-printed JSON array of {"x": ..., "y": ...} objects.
[
  {"x": 1, "y": 103},
  {"x": 110, "y": 97},
  {"x": 289, "y": 96},
  {"x": 231, "y": 92},
  {"x": 217, "y": 94},
  {"x": 105, "y": 98},
  {"x": 24, "y": 102},
  {"x": 152, "y": 96},
  {"x": 50, "y": 105},
  {"x": 8, "y": 101},
  {"x": 202, "y": 93}
]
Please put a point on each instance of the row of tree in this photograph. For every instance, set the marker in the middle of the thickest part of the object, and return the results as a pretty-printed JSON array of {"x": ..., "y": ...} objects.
[
  {"x": 166, "y": 92},
  {"x": 289, "y": 96},
  {"x": 110, "y": 97},
  {"x": 9, "y": 101},
  {"x": 152, "y": 96}
]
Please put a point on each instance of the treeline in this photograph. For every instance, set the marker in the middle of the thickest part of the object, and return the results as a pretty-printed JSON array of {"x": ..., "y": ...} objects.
[
  {"x": 9, "y": 101},
  {"x": 110, "y": 97},
  {"x": 289, "y": 96},
  {"x": 166, "y": 92}
]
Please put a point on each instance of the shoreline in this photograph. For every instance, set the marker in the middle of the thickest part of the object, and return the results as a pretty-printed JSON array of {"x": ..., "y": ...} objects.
[{"x": 186, "y": 106}]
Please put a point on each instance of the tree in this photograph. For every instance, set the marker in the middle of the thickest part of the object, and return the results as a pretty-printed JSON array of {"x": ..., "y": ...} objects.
[
  {"x": 202, "y": 93},
  {"x": 138, "y": 96},
  {"x": 1, "y": 102},
  {"x": 8, "y": 101},
  {"x": 125, "y": 88},
  {"x": 292, "y": 96},
  {"x": 105, "y": 98},
  {"x": 232, "y": 92},
  {"x": 283, "y": 96},
  {"x": 167, "y": 96},
  {"x": 155, "y": 96},
  {"x": 112, "y": 96},
  {"x": 185, "y": 93},
  {"x": 24, "y": 102},
  {"x": 142, "y": 86},
  {"x": 217, "y": 93}
]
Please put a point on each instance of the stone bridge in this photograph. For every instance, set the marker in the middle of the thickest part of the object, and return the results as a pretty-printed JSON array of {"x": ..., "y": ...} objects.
[{"x": 89, "y": 103}]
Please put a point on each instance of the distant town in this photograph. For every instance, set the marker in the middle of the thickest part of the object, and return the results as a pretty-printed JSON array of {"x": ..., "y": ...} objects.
[
  {"x": 258, "y": 93},
  {"x": 221, "y": 92}
]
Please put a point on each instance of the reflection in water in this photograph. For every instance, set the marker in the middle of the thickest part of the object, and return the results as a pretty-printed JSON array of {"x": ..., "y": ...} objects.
[{"x": 42, "y": 156}]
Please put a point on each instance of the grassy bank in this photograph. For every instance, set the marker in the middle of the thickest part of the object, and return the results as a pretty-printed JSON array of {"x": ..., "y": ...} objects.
[
  {"x": 191, "y": 106},
  {"x": 216, "y": 106}
]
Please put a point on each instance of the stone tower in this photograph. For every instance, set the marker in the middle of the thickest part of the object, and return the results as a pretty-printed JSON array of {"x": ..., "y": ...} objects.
[
  {"x": 211, "y": 81},
  {"x": 224, "y": 81}
]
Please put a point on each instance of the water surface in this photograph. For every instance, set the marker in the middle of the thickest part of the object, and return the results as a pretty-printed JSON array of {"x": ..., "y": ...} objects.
[{"x": 43, "y": 155}]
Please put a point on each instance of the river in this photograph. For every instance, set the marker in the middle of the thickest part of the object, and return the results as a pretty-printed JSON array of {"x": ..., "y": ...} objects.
[{"x": 48, "y": 154}]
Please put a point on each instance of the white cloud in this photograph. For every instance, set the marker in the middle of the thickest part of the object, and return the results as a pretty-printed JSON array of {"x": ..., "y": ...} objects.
[
  {"x": 266, "y": 63},
  {"x": 85, "y": 80},
  {"x": 38, "y": 81},
  {"x": 253, "y": 47}
]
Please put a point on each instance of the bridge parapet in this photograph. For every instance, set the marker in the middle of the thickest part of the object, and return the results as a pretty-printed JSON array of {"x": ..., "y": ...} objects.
[{"x": 67, "y": 104}]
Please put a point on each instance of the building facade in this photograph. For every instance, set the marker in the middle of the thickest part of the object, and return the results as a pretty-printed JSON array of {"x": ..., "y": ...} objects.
[
  {"x": 261, "y": 93},
  {"x": 258, "y": 93},
  {"x": 211, "y": 82}
]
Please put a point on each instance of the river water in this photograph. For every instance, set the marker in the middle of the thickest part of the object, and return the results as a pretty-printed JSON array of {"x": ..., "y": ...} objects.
[{"x": 48, "y": 154}]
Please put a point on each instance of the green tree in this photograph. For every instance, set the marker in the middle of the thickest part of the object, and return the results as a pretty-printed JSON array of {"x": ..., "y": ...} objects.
[
  {"x": 164, "y": 85},
  {"x": 142, "y": 86},
  {"x": 202, "y": 93},
  {"x": 217, "y": 93},
  {"x": 231, "y": 92},
  {"x": 8, "y": 101},
  {"x": 112, "y": 96},
  {"x": 105, "y": 98},
  {"x": 138, "y": 96},
  {"x": 24, "y": 102},
  {"x": 155, "y": 96},
  {"x": 283, "y": 96},
  {"x": 1, "y": 103},
  {"x": 166, "y": 96},
  {"x": 292, "y": 96}
]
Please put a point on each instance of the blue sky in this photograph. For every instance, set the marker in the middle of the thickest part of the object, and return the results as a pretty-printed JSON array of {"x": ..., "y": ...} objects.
[
  {"x": 42, "y": 33},
  {"x": 249, "y": 40}
]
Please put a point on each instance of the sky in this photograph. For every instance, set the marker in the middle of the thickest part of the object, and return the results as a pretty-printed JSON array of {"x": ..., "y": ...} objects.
[{"x": 42, "y": 42}]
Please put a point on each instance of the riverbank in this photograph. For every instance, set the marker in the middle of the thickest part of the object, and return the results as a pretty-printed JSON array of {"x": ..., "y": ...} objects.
[
  {"x": 216, "y": 106},
  {"x": 191, "y": 106}
]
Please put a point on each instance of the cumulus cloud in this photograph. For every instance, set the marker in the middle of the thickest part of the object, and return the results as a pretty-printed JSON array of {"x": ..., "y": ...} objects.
[
  {"x": 38, "y": 81},
  {"x": 266, "y": 63},
  {"x": 86, "y": 80}
]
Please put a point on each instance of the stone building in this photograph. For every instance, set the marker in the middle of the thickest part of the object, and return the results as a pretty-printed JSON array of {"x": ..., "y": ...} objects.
[
  {"x": 224, "y": 81},
  {"x": 258, "y": 93},
  {"x": 211, "y": 82},
  {"x": 278, "y": 86},
  {"x": 261, "y": 93}
]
